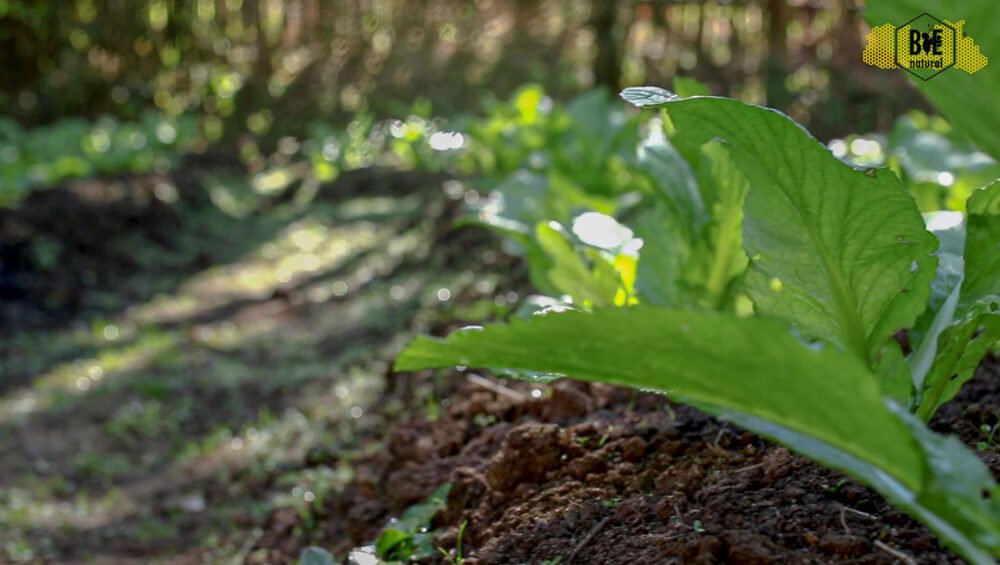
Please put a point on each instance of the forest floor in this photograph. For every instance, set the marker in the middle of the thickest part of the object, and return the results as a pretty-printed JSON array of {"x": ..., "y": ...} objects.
[{"x": 180, "y": 384}]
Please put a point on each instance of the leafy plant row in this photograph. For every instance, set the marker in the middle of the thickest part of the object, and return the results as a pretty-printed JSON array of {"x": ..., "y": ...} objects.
[
  {"x": 70, "y": 148},
  {"x": 765, "y": 280},
  {"x": 73, "y": 148}
]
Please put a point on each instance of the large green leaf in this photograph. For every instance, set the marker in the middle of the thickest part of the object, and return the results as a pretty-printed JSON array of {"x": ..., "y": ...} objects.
[
  {"x": 752, "y": 366},
  {"x": 719, "y": 255},
  {"x": 819, "y": 401},
  {"x": 969, "y": 101},
  {"x": 961, "y": 346},
  {"x": 982, "y": 246},
  {"x": 667, "y": 248},
  {"x": 673, "y": 182},
  {"x": 975, "y": 309},
  {"x": 949, "y": 228},
  {"x": 693, "y": 248},
  {"x": 960, "y": 500},
  {"x": 841, "y": 253},
  {"x": 669, "y": 225},
  {"x": 598, "y": 133}
]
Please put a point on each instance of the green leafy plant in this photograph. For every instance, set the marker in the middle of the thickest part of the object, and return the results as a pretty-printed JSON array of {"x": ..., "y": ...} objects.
[
  {"x": 989, "y": 434},
  {"x": 408, "y": 537},
  {"x": 588, "y": 139},
  {"x": 74, "y": 148},
  {"x": 692, "y": 222},
  {"x": 837, "y": 261},
  {"x": 413, "y": 143},
  {"x": 556, "y": 173}
]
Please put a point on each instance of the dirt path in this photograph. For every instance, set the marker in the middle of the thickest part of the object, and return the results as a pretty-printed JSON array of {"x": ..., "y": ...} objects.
[{"x": 168, "y": 430}]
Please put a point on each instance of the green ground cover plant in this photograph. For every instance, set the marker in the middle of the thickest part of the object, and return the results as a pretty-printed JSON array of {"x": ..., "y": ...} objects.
[
  {"x": 73, "y": 148},
  {"x": 771, "y": 281}
]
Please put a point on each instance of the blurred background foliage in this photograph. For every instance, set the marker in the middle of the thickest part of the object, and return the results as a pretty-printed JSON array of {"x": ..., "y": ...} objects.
[
  {"x": 112, "y": 86},
  {"x": 271, "y": 67}
]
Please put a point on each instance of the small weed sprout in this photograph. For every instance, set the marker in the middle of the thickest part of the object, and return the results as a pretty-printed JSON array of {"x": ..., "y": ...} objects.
[{"x": 457, "y": 558}]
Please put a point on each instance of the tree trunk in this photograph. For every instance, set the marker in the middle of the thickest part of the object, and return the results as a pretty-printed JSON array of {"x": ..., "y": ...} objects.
[
  {"x": 778, "y": 18},
  {"x": 607, "y": 64}
]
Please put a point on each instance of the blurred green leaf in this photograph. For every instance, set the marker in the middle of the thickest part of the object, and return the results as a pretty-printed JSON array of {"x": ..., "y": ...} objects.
[
  {"x": 316, "y": 556},
  {"x": 407, "y": 537}
]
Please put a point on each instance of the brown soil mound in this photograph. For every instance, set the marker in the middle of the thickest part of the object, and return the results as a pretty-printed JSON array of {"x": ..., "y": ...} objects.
[{"x": 597, "y": 474}]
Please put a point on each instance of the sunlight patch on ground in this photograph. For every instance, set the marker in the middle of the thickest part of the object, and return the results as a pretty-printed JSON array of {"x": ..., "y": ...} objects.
[
  {"x": 79, "y": 377},
  {"x": 306, "y": 248},
  {"x": 39, "y": 506}
]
